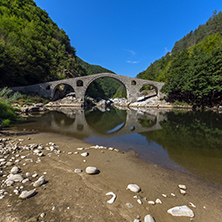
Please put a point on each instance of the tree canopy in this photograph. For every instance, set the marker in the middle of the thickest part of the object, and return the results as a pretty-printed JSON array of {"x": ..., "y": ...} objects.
[{"x": 193, "y": 70}]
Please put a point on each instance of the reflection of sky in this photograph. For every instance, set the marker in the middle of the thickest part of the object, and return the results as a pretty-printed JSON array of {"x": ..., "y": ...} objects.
[
  {"x": 116, "y": 128},
  {"x": 149, "y": 151}
]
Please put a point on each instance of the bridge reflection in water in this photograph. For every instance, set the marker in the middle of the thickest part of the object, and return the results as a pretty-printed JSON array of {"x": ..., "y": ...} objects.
[{"x": 82, "y": 124}]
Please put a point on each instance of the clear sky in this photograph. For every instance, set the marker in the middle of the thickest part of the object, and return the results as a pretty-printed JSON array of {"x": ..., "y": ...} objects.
[{"x": 126, "y": 36}]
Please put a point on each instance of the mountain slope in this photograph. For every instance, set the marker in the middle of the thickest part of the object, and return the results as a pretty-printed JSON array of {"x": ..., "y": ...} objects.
[
  {"x": 33, "y": 49},
  {"x": 193, "y": 70}
]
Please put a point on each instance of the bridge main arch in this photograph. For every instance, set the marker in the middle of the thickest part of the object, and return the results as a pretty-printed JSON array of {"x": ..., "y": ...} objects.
[{"x": 112, "y": 76}]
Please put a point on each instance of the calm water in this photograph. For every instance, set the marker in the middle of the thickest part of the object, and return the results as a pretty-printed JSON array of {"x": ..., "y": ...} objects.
[{"x": 190, "y": 142}]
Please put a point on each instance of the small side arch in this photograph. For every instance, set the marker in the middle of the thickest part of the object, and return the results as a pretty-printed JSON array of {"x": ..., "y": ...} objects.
[{"x": 61, "y": 90}]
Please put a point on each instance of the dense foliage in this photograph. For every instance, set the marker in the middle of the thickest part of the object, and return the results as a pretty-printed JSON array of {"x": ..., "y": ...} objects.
[
  {"x": 7, "y": 113},
  {"x": 33, "y": 49},
  {"x": 193, "y": 72}
]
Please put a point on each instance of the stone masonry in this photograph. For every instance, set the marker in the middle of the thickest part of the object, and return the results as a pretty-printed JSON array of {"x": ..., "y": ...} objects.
[{"x": 80, "y": 85}]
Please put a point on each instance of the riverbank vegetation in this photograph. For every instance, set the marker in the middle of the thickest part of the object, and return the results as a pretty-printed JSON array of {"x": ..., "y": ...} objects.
[
  {"x": 193, "y": 70},
  {"x": 8, "y": 98}
]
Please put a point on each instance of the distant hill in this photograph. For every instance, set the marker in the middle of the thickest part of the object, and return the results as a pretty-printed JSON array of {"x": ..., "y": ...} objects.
[
  {"x": 193, "y": 70},
  {"x": 33, "y": 49}
]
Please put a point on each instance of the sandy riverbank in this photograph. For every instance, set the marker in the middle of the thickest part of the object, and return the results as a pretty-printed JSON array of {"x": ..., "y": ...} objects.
[{"x": 70, "y": 196}]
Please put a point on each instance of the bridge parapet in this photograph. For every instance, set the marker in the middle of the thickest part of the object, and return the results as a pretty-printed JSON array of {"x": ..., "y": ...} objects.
[{"x": 80, "y": 85}]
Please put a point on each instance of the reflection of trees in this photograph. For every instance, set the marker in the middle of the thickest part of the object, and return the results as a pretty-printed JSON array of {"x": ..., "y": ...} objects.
[
  {"x": 189, "y": 129},
  {"x": 105, "y": 121},
  {"x": 62, "y": 119},
  {"x": 193, "y": 140}
]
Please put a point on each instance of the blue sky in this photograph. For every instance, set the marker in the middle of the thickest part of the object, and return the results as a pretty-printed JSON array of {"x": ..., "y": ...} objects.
[{"x": 126, "y": 36}]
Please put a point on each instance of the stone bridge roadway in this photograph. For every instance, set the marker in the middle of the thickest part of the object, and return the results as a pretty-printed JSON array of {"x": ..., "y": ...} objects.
[
  {"x": 81, "y": 128},
  {"x": 80, "y": 85}
]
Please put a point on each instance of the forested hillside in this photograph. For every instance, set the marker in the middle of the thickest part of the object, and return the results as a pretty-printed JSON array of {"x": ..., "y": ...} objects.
[
  {"x": 193, "y": 70},
  {"x": 33, "y": 49}
]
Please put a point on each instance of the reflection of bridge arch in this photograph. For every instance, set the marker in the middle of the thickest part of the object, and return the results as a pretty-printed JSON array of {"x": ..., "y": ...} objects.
[
  {"x": 81, "y": 128},
  {"x": 80, "y": 85}
]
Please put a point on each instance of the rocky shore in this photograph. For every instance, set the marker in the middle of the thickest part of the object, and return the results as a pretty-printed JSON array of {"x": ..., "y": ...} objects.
[{"x": 49, "y": 177}]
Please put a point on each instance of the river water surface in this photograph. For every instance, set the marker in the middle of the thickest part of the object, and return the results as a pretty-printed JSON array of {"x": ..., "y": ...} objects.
[{"x": 187, "y": 141}]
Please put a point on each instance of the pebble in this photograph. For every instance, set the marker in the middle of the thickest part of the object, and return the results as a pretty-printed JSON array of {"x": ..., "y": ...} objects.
[
  {"x": 158, "y": 201},
  {"x": 42, "y": 215},
  {"x": 139, "y": 201},
  {"x": 151, "y": 202},
  {"x": 181, "y": 211},
  {"x": 181, "y": 186},
  {"x": 25, "y": 180},
  {"x": 192, "y": 205},
  {"x": 9, "y": 164},
  {"x": 39, "y": 182},
  {"x": 70, "y": 153},
  {"x": 34, "y": 175},
  {"x": 183, "y": 191},
  {"x": 91, "y": 170},
  {"x": 80, "y": 148},
  {"x": 149, "y": 218},
  {"x": 26, "y": 194},
  {"x": 15, "y": 170},
  {"x": 85, "y": 154},
  {"x": 112, "y": 199},
  {"x": 78, "y": 171},
  {"x": 134, "y": 188},
  {"x": 129, "y": 205},
  {"x": 15, "y": 177}
]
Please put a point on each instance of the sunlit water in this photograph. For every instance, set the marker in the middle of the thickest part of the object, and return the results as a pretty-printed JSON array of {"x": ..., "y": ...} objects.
[{"x": 190, "y": 142}]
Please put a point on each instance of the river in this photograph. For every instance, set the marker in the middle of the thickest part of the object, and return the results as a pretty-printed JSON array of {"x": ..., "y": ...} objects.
[{"x": 187, "y": 141}]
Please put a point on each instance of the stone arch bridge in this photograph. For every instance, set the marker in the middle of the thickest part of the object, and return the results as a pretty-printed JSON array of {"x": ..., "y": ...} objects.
[{"x": 80, "y": 85}]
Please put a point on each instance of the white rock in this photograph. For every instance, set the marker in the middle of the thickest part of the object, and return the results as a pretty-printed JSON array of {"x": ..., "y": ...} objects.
[
  {"x": 112, "y": 199},
  {"x": 181, "y": 211},
  {"x": 151, "y": 202},
  {"x": 34, "y": 175},
  {"x": 149, "y": 218},
  {"x": 14, "y": 170},
  {"x": 26, "y": 194},
  {"x": 25, "y": 180},
  {"x": 80, "y": 148},
  {"x": 85, "y": 154},
  {"x": 91, "y": 170},
  {"x": 39, "y": 182},
  {"x": 28, "y": 174},
  {"x": 134, "y": 188},
  {"x": 70, "y": 153},
  {"x": 15, "y": 177},
  {"x": 37, "y": 151},
  {"x": 78, "y": 171},
  {"x": 9, "y": 183},
  {"x": 172, "y": 194},
  {"x": 181, "y": 186},
  {"x": 192, "y": 205},
  {"x": 16, "y": 192},
  {"x": 139, "y": 201},
  {"x": 183, "y": 191},
  {"x": 158, "y": 201}
]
